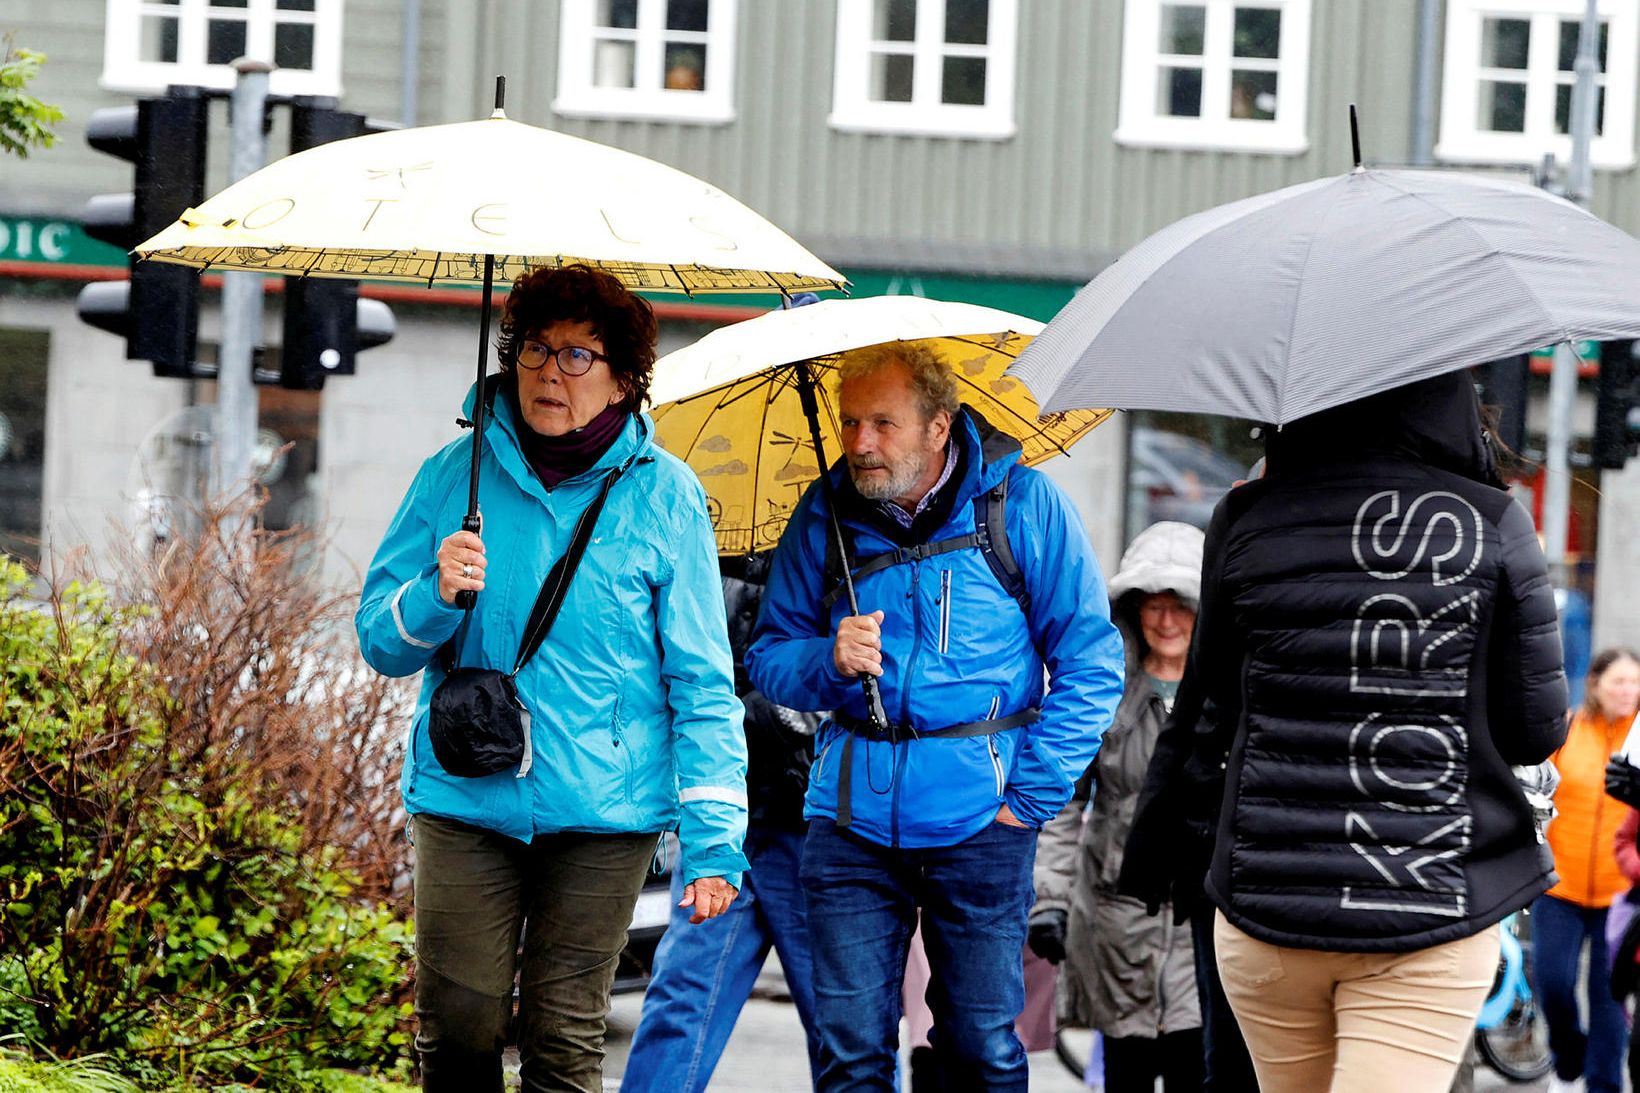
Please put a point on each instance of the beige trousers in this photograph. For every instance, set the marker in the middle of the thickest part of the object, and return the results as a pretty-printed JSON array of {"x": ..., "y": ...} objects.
[{"x": 1355, "y": 1022}]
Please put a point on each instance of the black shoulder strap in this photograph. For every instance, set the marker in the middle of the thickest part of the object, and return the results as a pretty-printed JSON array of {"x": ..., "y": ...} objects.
[
  {"x": 556, "y": 586},
  {"x": 991, "y": 525},
  {"x": 553, "y": 589}
]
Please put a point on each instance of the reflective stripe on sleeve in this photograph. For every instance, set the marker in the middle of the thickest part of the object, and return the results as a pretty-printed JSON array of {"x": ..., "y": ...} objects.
[
  {"x": 398, "y": 620},
  {"x": 712, "y": 793}
]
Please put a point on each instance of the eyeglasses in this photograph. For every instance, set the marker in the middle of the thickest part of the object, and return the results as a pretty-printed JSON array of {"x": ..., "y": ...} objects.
[{"x": 573, "y": 360}]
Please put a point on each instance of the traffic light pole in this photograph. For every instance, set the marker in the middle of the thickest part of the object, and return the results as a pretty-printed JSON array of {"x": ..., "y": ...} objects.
[
  {"x": 241, "y": 298},
  {"x": 1557, "y": 478}
]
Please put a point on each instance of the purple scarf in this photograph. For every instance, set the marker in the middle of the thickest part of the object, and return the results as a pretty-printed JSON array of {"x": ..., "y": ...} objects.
[{"x": 555, "y": 458}]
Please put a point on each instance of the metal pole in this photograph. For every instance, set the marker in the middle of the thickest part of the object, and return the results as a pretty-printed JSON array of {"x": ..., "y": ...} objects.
[
  {"x": 241, "y": 297},
  {"x": 1557, "y": 477},
  {"x": 1423, "y": 88},
  {"x": 409, "y": 62},
  {"x": 1585, "y": 103}
]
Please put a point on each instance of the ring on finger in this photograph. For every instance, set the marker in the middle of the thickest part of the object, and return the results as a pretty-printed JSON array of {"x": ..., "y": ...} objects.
[{"x": 467, "y": 569}]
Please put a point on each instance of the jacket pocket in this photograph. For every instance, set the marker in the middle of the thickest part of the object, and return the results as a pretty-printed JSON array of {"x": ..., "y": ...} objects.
[
  {"x": 996, "y": 761},
  {"x": 945, "y": 611}
]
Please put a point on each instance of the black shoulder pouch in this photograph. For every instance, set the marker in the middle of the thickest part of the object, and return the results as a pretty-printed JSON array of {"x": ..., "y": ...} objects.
[{"x": 477, "y": 723}]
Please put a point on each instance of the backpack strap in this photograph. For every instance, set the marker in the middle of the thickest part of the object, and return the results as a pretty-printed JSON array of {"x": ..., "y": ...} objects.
[
  {"x": 990, "y": 512},
  {"x": 991, "y": 527}
]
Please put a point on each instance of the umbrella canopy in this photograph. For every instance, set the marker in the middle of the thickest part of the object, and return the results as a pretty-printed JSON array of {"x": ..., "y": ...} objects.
[
  {"x": 428, "y": 204},
  {"x": 729, "y": 405},
  {"x": 1287, "y": 303}
]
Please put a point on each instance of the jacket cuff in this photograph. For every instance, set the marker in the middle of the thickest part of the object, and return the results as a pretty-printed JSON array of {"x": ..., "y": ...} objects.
[
  {"x": 731, "y": 865},
  {"x": 423, "y": 619}
]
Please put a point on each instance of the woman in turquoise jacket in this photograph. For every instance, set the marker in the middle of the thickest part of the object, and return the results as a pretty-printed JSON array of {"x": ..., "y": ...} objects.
[{"x": 635, "y": 727}]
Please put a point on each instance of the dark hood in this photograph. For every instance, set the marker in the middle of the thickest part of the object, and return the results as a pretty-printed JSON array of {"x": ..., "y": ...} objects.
[{"x": 1435, "y": 421}]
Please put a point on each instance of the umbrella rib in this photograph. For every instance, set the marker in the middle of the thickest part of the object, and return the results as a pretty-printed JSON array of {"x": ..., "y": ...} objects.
[{"x": 433, "y": 276}]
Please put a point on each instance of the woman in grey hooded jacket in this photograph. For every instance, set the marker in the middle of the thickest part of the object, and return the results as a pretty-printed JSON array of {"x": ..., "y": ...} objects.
[{"x": 1126, "y": 973}]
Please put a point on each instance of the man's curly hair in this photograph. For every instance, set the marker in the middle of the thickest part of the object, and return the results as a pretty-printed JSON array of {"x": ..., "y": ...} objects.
[{"x": 622, "y": 320}]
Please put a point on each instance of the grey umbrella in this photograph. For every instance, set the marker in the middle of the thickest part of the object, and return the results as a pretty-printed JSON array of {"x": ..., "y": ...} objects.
[{"x": 1290, "y": 302}]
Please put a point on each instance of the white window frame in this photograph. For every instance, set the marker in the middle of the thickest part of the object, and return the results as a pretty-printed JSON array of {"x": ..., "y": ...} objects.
[
  {"x": 853, "y": 110},
  {"x": 125, "y": 70},
  {"x": 1463, "y": 141},
  {"x": 649, "y": 100},
  {"x": 1140, "y": 125}
]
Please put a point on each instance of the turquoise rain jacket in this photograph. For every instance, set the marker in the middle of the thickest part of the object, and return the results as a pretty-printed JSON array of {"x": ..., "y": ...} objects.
[
  {"x": 956, "y": 648},
  {"x": 635, "y": 723}
]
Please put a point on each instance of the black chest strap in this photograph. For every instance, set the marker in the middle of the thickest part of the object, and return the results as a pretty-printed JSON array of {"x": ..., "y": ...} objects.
[
  {"x": 990, "y": 536},
  {"x": 894, "y": 734}
]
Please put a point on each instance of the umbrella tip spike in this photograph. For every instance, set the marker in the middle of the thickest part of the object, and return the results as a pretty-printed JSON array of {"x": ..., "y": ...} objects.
[{"x": 1355, "y": 137}]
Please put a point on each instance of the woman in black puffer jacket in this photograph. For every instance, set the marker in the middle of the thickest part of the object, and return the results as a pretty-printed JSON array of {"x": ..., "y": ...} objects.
[{"x": 1377, "y": 646}]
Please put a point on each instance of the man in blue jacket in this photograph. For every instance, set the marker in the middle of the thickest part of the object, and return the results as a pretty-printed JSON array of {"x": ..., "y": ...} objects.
[{"x": 975, "y": 580}]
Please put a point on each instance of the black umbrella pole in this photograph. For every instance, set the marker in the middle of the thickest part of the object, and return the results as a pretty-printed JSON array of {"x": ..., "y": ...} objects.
[
  {"x": 466, "y": 599},
  {"x": 811, "y": 410}
]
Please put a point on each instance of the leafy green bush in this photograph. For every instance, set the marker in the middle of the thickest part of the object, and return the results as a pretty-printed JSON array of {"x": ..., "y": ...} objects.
[{"x": 198, "y": 830}]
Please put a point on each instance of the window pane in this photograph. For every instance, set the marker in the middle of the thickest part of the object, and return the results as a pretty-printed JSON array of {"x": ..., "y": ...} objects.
[
  {"x": 1183, "y": 28},
  {"x": 967, "y": 22},
  {"x": 685, "y": 67},
  {"x": 1252, "y": 95},
  {"x": 1502, "y": 107},
  {"x": 613, "y": 63},
  {"x": 158, "y": 39},
  {"x": 293, "y": 45},
  {"x": 1569, "y": 32},
  {"x": 1563, "y": 110},
  {"x": 686, "y": 14},
  {"x": 891, "y": 77},
  {"x": 616, "y": 13},
  {"x": 964, "y": 81},
  {"x": 297, "y": 5},
  {"x": 894, "y": 20},
  {"x": 1258, "y": 32},
  {"x": 224, "y": 41},
  {"x": 1179, "y": 92},
  {"x": 1505, "y": 42},
  {"x": 23, "y": 356},
  {"x": 236, "y": 4}
]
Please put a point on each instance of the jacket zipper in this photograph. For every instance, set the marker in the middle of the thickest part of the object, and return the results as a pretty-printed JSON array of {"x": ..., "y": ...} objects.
[
  {"x": 905, "y": 698},
  {"x": 945, "y": 611},
  {"x": 996, "y": 762}
]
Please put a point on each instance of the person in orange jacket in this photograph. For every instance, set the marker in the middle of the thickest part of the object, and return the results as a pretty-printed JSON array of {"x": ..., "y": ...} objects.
[{"x": 1572, "y": 914}]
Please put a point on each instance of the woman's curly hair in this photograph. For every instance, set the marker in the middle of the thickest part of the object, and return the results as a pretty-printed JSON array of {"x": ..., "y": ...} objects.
[{"x": 622, "y": 320}]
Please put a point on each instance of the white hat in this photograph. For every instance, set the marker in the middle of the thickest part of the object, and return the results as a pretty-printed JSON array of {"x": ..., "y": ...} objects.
[{"x": 1166, "y": 557}]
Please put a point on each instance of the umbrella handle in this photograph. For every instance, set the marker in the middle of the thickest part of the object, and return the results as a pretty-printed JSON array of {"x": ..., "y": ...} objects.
[{"x": 466, "y": 598}]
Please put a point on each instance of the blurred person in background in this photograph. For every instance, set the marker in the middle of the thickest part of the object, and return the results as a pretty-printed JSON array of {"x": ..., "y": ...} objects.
[
  {"x": 1127, "y": 974},
  {"x": 1571, "y": 917}
]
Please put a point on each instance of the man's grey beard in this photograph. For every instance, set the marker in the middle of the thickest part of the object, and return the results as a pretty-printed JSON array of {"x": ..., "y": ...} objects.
[{"x": 899, "y": 481}]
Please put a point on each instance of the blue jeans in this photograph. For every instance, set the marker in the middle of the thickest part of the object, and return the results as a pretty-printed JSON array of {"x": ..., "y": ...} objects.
[
  {"x": 974, "y": 898},
  {"x": 1559, "y": 931},
  {"x": 704, "y": 973}
]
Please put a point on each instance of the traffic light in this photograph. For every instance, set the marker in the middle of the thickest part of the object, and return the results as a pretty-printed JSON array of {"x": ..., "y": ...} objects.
[
  {"x": 326, "y": 323},
  {"x": 157, "y": 309},
  {"x": 1504, "y": 386},
  {"x": 1617, "y": 405}
]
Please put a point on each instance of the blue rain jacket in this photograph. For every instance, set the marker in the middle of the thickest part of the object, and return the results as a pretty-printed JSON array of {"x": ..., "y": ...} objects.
[
  {"x": 635, "y": 723},
  {"x": 956, "y": 648}
]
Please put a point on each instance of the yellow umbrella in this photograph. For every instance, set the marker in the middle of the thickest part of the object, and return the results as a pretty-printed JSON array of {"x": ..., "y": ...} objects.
[{"x": 731, "y": 405}]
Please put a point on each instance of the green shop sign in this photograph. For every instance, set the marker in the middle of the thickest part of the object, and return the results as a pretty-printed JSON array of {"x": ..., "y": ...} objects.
[{"x": 53, "y": 242}]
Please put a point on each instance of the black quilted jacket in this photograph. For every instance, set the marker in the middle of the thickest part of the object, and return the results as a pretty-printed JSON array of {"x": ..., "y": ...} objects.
[{"x": 1377, "y": 646}]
